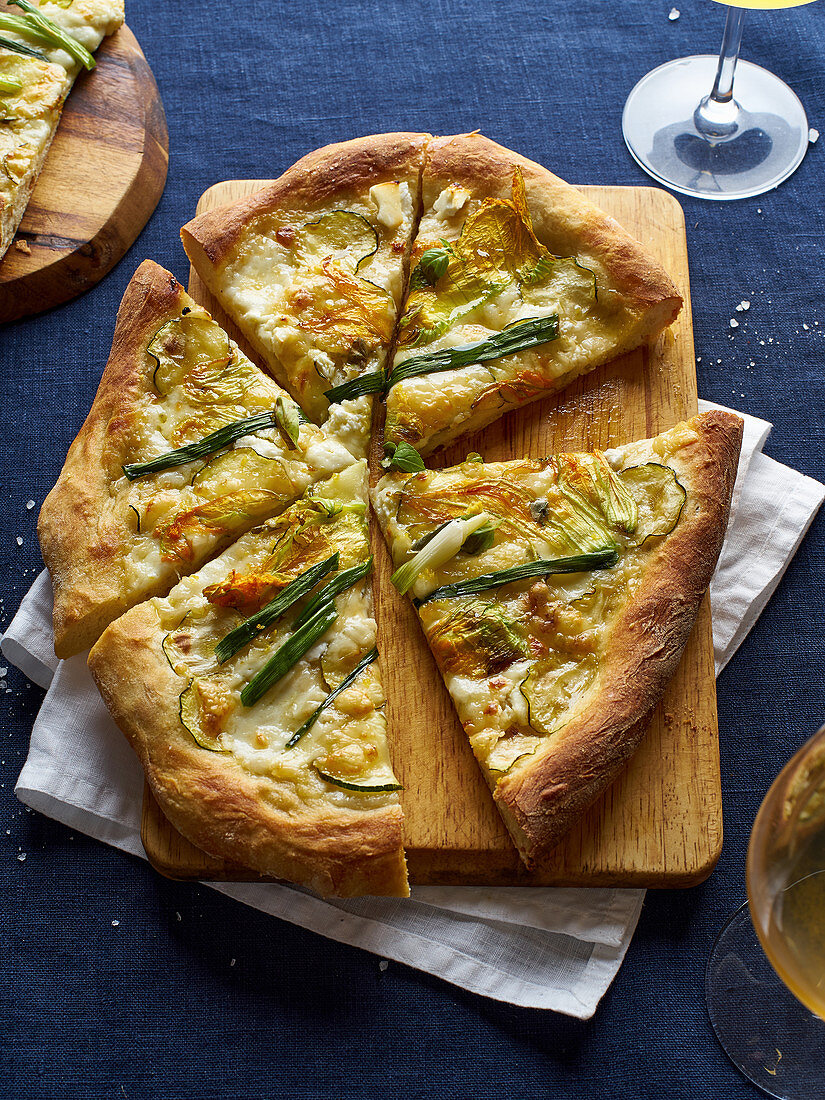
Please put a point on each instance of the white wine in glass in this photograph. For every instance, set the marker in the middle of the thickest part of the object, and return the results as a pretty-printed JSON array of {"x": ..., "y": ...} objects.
[
  {"x": 683, "y": 124},
  {"x": 771, "y": 1019}
]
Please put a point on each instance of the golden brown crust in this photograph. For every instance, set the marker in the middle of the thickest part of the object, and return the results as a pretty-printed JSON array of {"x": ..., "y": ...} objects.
[
  {"x": 543, "y": 798},
  {"x": 80, "y": 540},
  {"x": 212, "y": 801},
  {"x": 562, "y": 217},
  {"x": 330, "y": 173}
]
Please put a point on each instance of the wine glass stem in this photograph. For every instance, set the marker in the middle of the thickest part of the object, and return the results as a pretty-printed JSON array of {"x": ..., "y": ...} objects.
[{"x": 717, "y": 116}]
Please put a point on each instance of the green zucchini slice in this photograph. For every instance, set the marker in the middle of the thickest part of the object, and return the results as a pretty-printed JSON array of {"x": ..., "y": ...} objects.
[
  {"x": 659, "y": 498},
  {"x": 379, "y": 787},
  {"x": 552, "y": 686},
  {"x": 341, "y": 235},
  {"x": 183, "y": 343},
  {"x": 222, "y": 473},
  {"x": 190, "y": 717}
]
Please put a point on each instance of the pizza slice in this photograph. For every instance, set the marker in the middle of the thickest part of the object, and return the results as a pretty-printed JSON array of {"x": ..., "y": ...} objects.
[
  {"x": 557, "y": 597},
  {"x": 312, "y": 267},
  {"x": 43, "y": 46},
  {"x": 251, "y": 694},
  {"x": 187, "y": 445},
  {"x": 519, "y": 284}
]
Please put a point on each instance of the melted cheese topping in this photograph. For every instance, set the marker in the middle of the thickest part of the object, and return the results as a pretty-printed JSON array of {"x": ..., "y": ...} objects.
[
  {"x": 173, "y": 520},
  {"x": 521, "y": 660},
  {"x": 349, "y": 737}
]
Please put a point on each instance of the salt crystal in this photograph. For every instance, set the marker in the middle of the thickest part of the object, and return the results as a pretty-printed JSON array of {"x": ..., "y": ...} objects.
[
  {"x": 115, "y": 923},
  {"x": 743, "y": 305},
  {"x": 734, "y": 323},
  {"x": 813, "y": 136},
  {"x": 19, "y": 541},
  {"x": 674, "y": 14},
  {"x": 232, "y": 962},
  {"x": 29, "y": 505},
  {"x": 21, "y": 856},
  {"x": 804, "y": 326},
  {"x": 382, "y": 966},
  {"x": 178, "y": 916}
]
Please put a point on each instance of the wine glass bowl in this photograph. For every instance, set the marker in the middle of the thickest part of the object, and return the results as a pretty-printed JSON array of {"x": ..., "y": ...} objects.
[
  {"x": 765, "y": 981},
  {"x": 786, "y": 874}
]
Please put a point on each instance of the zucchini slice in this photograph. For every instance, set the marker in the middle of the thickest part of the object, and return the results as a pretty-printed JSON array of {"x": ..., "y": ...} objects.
[
  {"x": 191, "y": 718},
  {"x": 225, "y": 472},
  {"x": 341, "y": 235},
  {"x": 659, "y": 498},
  {"x": 551, "y": 688},
  {"x": 185, "y": 342},
  {"x": 380, "y": 787}
]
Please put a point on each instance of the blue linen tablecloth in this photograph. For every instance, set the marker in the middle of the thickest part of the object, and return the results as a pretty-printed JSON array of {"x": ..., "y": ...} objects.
[{"x": 189, "y": 996}]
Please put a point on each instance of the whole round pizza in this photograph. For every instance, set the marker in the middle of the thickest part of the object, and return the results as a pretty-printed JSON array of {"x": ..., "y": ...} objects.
[{"x": 209, "y": 534}]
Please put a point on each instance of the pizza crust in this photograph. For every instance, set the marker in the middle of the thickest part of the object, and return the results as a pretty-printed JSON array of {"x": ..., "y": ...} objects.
[
  {"x": 79, "y": 537},
  {"x": 542, "y": 798},
  {"x": 219, "y": 807}
]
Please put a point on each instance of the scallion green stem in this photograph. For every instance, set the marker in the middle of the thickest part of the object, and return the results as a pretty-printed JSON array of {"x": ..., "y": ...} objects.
[
  {"x": 580, "y": 563},
  {"x": 345, "y": 579},
  {"x": 9, "y": 87},
  {"x": 333, "y": 695},
  {"x": 287, "y": 655},
  {"x": 54, "y": 34},
  {"x": 517, "y": 337},
  {"x": 202, "y": 448},
  {"x": 18, "y": 47},
  {"x": 250, "y": 628},
  {"x": 356, "y": 387}
]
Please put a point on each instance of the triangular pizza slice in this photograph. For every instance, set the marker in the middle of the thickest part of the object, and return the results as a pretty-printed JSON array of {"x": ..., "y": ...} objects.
[
  {"x": 519, "y": 284},
  {"x": 187, "y": 445},
  {"x": 557, "y": 597},
  {"x": 252, "y": 695},
  {"x": 312, "y": 267},
  {"x": 45, "y": 45}
]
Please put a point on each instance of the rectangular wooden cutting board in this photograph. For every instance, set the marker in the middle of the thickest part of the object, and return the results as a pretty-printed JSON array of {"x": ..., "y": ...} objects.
[{"x": 660, "y": 824}]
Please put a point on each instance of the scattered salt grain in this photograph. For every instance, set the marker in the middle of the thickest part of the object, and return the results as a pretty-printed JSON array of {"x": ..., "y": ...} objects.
[
  {"x": 29, "y": 505},
  {"x": 115, "y": 923},
  {"x": 813, "y": 136},
  {"x": 734, "y": 323},
  {"x": 382, "y": 966},
  {"x": 743, "y": 305},
  {"x": 19, "y": 541},
  {"x": 21, "y": 856},
  {"x": 674, "y": 14},
  {"x": 232, "y": 962},
  {"x": 179, "y": 917}
]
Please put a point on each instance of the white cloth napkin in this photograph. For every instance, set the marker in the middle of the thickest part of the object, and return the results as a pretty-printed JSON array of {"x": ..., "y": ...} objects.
[{"x": 534, "y": 947}]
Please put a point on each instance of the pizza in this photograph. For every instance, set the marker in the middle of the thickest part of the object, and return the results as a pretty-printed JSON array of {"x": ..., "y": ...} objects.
[
  {"x": 557, "y": 597},
  {"x": 187, "y": 445},
  {"x": 518, "y": 285},
  {"x": 208, "y": 535},
  {"x": 43, "y": 47},
  {"x": 312, "y": 268},
  {"x": 251, "y": 694}
]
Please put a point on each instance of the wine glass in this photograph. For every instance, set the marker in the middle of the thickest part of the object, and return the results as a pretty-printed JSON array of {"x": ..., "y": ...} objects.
[
  {"x": 771, "y": 1022},
  {"x": 717, "y": 147}
]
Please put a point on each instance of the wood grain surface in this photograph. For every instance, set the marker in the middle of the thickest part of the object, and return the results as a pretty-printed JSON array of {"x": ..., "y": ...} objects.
[
  {"x": 660, "y": 824},
  {"x": 103, "y": 177}
]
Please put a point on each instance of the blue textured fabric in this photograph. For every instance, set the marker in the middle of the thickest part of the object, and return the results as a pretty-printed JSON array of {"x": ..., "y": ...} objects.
[{"x": 155, "y": 1008}]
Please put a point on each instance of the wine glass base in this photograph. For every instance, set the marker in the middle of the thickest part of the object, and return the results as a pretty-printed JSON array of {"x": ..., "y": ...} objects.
[
  {"x": 765, "y": 1031},
  {"x": 769, "y": 142}
]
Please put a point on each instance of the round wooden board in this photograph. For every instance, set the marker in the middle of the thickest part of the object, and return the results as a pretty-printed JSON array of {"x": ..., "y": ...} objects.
[{"x": 103, "y": 177}]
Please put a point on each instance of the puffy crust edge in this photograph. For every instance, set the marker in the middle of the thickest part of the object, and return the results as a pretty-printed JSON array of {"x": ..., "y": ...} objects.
[
  {"x": 81, "y": 553},
  {"x": 327, "y": 173},
  {"x": 560, "y": 213},
  {"x": 542, "y": 800},
  {"x": 218, "y": 806}
]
